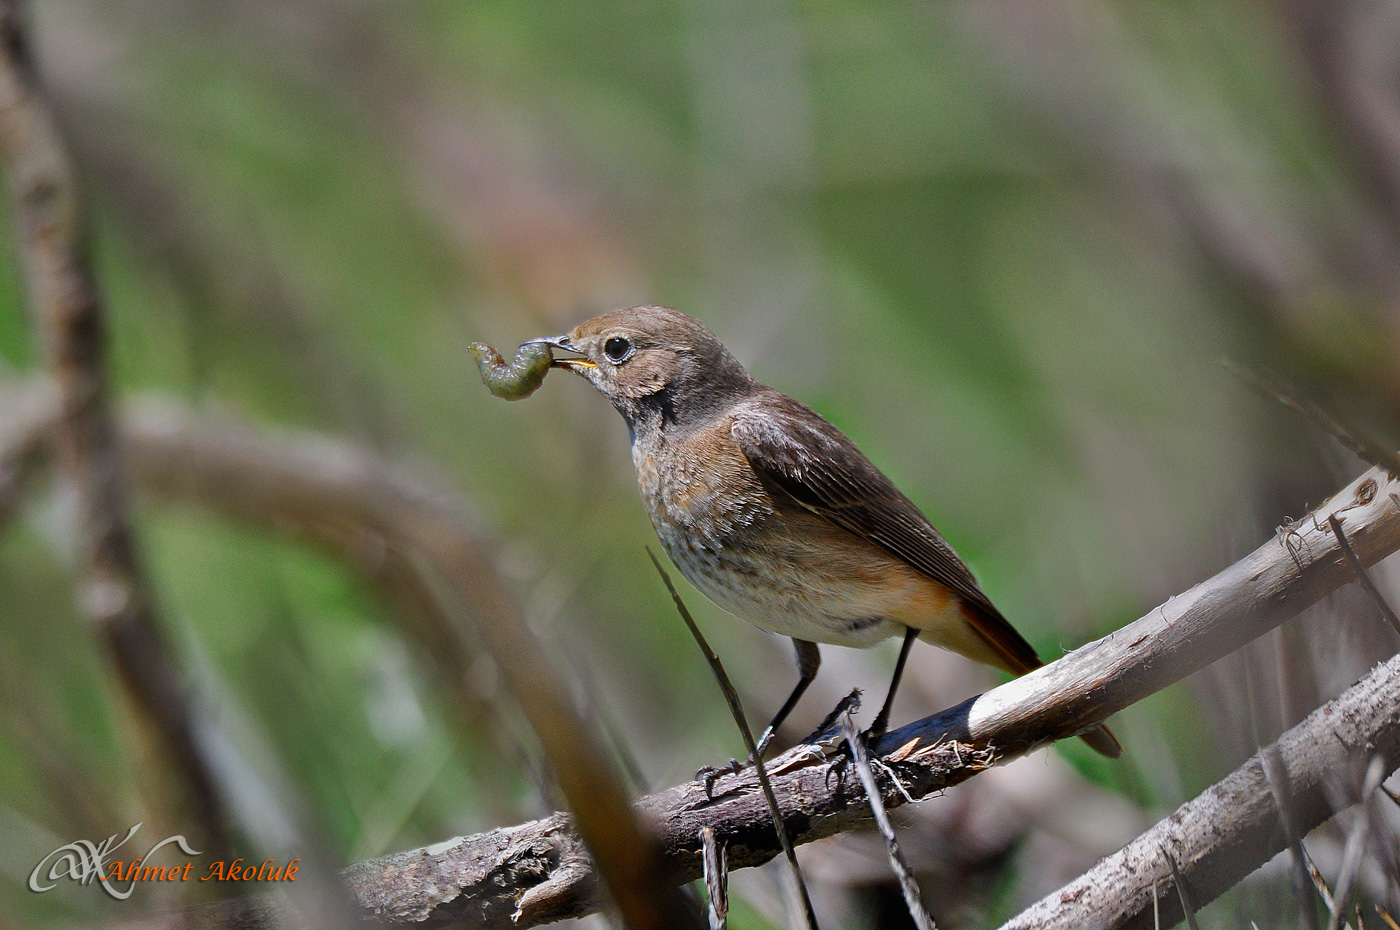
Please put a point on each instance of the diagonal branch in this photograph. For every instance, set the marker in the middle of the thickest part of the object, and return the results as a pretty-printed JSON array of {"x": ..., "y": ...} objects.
[
  {"x": 421, "y": 542},
  {"x": 1225, "y": 833},
  {"x": 466, "y": 880},
  {"x": 481, "y": 881},
  {"x": 67, "y": 309}
]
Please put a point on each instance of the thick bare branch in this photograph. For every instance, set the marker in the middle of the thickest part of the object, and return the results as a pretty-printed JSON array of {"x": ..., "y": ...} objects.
[
  {"x": 535, "y": 872},
  {"x": 472, "y": 881},
  {"x": 1225, "y": 833}
]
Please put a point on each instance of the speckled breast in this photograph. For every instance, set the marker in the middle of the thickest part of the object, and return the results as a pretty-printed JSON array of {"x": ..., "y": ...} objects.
[{"x": 720, "y": 527}]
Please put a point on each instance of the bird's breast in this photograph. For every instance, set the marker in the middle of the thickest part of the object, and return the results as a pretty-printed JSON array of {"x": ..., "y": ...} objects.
[
  {"x": 702, "y": 488},
  {"x": 781, "y": 569}
]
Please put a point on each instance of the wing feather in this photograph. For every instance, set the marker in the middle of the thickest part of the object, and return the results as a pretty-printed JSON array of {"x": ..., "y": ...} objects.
[{"x": 802, "y": 458}]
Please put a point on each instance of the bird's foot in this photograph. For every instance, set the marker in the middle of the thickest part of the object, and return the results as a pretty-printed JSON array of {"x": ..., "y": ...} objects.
[
  {"x": 832, "y": 735},
  {"x": 709, "y": 774},
  {"x": 826, "y": 740},
  {"x": 829, "y": 731}
]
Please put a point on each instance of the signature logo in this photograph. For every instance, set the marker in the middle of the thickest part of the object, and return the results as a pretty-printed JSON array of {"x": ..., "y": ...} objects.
[{"x": 84, "y": 861}]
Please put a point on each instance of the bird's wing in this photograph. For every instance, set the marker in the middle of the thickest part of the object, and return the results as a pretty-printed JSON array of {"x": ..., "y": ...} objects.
[{"x": 803, "y": 458}]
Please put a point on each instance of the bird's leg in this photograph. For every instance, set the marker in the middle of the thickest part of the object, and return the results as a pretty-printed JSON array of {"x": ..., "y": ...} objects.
[
  {"x": 809, "y": 660},
  {"x": 882, "y": 719}
]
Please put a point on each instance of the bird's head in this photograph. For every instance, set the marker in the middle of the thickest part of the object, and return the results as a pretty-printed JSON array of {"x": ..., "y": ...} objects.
[{"x": 653, "y": 360}]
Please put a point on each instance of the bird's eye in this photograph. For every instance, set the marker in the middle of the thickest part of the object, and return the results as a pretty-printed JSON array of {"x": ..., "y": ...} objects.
[{"x": 617, "y": 349}]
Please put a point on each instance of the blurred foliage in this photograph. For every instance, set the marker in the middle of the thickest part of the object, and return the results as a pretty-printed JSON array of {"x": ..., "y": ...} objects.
[{"x": 1000, "y": 248}]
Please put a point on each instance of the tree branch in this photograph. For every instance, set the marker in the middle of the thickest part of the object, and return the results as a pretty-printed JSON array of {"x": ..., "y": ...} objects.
[
  {"x": 1229, "y": 830},
  {"x": 403, "y": 528},
  {"x": 473, "y": 881},
  {"x": 529, "y": 874},
  {"x": 67, "y": 309}
]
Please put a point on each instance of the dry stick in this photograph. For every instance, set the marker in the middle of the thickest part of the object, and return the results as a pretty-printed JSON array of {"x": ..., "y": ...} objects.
[
  {"x": 1320, "y": 884},
  {"x": 1363, "y": 577},
  {"x": 907, "y": 885},
  {"x": 736, "y": 709},
  {"x": 1277, "y": 775},
  {"x": 484, "y": 875},
  {"x": 115, "y": 595},
  {"x": 716, "y": 879},
  {"x": 1230, "y": 829}
]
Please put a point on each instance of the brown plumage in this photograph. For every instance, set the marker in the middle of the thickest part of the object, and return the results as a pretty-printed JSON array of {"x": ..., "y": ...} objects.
[{"x": 774, "y": 514}]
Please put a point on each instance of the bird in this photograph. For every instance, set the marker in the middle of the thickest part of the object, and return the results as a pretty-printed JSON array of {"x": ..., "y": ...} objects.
[{"x": 775, "y": 515}]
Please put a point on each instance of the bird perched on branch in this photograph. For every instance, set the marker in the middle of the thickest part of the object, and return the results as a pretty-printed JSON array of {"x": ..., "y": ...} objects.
[{"x": 775, "y": 515}]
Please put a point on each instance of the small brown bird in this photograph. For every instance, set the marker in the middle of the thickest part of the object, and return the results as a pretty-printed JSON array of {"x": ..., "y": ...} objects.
[{"x": 774, "y": 514}]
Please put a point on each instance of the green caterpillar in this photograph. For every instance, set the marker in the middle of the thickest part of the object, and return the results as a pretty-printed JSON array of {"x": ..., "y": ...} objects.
[{"x": 520, "y": 378}]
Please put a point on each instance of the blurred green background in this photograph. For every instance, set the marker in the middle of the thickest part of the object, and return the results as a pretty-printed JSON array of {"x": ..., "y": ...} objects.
[{"x": 1005, "y": 246}]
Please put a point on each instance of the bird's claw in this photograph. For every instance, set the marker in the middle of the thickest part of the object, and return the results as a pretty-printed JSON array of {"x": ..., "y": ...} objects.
[
  {"x": 822, "y": 741},
  {"x": 831, "y": 732},
  {"x": 709, "y": 774}
]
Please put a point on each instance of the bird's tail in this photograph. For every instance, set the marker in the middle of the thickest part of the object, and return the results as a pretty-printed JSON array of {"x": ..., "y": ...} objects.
[
  {"x": 1010, "y": 650},
  {"x": 1101, "y": 739}
]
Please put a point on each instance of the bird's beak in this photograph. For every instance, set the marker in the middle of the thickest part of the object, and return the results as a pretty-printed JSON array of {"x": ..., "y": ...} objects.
[{"x": 562, "y": 342}]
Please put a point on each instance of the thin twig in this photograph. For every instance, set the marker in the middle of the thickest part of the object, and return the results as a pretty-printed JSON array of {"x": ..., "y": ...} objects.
[
  {"x": 736, "y": 709},
  {"x": 1181, "y": 892},
  {"x": 1363, "y": 577},
  {"x": 907, "y": 885},
  {"x": 716, "y": 878},
  {"x": 1323, "y": 891},
  {"x": 1359, "y": 441},
  {"x": 1355, "y": 848},
  {"x": 1277, "y": 774}
]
